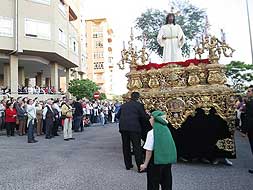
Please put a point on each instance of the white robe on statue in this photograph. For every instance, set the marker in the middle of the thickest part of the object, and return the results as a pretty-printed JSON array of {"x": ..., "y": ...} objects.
[{"x": 172, "y": 44}]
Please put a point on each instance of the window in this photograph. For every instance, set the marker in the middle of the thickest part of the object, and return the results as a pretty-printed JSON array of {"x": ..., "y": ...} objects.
[
  {"x": 45, "y": 2},
  {"x": 99, "y": 44},
  {"x": 62, "y": 38},
  {"x": 98, "y": 35},
  {"x": 62, "y": 8},
  {"x": 6, "y": 26},
  {"x": 98, "y": 65},
  {"x": 83, "y": 59},
  {"x": 37, "y": 29},
  {"x": 98, "y": 55},
  {"x": 100, "y": 77},
  {"x": 83, "y": 62},
  {"x": 110, "y": 59},
  {"x": 74, "y": 45}
]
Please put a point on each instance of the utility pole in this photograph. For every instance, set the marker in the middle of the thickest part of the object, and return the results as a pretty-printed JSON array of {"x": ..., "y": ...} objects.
[{"x": 250, "y": 36}]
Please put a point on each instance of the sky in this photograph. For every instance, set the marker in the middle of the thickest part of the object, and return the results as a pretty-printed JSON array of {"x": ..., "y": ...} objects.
[{"x": 230, "y": 15}]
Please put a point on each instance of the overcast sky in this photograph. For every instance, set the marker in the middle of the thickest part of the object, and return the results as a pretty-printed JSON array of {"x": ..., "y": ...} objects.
[{"x": 230, "y": 15}]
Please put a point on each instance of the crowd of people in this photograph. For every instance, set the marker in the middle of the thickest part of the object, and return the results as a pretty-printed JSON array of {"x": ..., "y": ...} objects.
[
  {"x": 37, "y": 90},
  {"x": 23, "y": 116},
  {"x": 32, "y": 90}
]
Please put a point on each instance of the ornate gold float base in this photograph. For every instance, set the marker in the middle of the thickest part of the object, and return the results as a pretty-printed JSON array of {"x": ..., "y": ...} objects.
[{"x": 180, "y": 90}]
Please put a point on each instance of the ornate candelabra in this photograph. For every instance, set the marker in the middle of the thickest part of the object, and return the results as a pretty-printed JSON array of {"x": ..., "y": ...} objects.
[
  {"x": 214, "y": 47},
  {"x": 132, "y": 56}
]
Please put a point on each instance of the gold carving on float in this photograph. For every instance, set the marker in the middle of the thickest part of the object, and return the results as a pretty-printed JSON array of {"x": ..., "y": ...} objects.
[
  {"x": 153, "y": 79},
  {"x": 180, "y": 90},
  {"x": 134, "y": 81},
  {"x": 226, "y": 144},
  {"x": 216, "y": 75},
  {"x": 193, "y": 78}
]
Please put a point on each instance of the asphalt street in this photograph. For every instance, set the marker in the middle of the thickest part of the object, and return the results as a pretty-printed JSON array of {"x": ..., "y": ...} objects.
[{"x": 94, "y": 161}]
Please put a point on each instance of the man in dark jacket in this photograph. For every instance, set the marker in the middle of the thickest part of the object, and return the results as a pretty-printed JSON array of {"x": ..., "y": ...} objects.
[
  {"x": 21, "y": 115},
  {"x": 49, "y": 117},
  {"x": 78, "y": 114},
  {"x": 132, "y": 119},
  {"x": 249, "y": 118}
]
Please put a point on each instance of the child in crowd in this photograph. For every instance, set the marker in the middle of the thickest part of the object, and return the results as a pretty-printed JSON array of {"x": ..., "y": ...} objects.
[{"x": 160, "y": 153}]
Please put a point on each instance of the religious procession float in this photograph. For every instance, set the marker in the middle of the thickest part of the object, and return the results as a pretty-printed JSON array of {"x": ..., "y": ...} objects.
[{"x": 179, "y": 88}]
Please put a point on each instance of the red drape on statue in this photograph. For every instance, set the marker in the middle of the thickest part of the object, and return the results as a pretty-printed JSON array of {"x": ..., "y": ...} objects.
[{"x": 184, "y": 64}]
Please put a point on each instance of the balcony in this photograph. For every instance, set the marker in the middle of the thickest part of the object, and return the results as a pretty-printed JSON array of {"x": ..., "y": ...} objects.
[{"x": 97, "y": 71}]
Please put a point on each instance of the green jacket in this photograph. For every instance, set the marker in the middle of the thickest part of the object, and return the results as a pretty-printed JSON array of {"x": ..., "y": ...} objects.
[{"x": 164, "y": 146}]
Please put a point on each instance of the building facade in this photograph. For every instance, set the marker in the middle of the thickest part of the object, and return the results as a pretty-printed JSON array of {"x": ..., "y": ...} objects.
[
  {"x": 99, "y": 57},
  {"x": 40, "y": 39}
]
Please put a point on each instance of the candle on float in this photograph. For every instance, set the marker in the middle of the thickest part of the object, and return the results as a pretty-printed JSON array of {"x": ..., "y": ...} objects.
[
  {"x": 197, "y": 42},
  {"x": 203, "y": 38},
  {"x": 144, "y": 41},
  {"x": 124, "y": 46},
  {"x": 206, "y": 27},
  {"x": 223, "y": 36},
  {"x": 206, "y": 32}
]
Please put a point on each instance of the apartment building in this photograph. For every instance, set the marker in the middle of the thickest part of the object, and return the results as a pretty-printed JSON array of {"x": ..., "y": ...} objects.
[
  {"x": 40, "y": 39},
  {"x": 99, "y": 62}
]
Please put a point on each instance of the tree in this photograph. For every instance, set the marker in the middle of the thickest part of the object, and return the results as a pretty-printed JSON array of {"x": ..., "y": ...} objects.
[
  {"x": 191, "y": 19},
  {"x": 102, "y": 96},
  {"x": 240, "y": 74},
  {"x": 82, "y": 88}
]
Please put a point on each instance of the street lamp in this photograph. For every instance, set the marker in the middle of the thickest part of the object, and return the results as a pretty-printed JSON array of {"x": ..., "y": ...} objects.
[{"x": 251, "y": 46}]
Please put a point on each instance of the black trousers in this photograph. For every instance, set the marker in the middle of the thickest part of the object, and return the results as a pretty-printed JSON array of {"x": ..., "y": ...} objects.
[
  {"x": 55, "y": 127},
  {"x": 49, "y": 127},
  {"x": 159, "y": 175},
  {"x": 135, "y": 139},
  {"x": 81, "y": 124},
  {"x": 10, "y": 126},
  {"x": 250, "y": 136}
]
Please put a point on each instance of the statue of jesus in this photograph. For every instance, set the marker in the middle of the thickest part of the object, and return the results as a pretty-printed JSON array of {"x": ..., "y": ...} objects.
[{"x": 171, "y": 37}]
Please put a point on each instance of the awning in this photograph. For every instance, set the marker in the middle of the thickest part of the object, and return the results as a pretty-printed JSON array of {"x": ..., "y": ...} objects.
[{"x": 72, "y": 15}]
